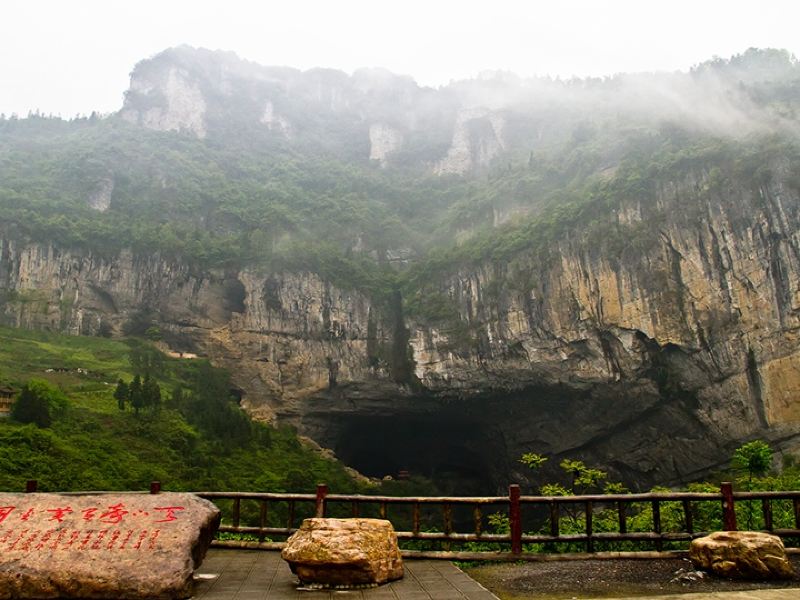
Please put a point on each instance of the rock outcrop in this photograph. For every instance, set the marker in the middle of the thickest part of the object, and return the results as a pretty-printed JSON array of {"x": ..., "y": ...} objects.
[
  {"x": 175, "y": 102},
  {"x": 127, "y": 546},
  {"x": 275, "y": 122},
  {"x": 344, "y": 552},
  {"x": 383, "y": 141},
  {"x": 742, "y": 555},
  {"x": 477, "y": 139}
]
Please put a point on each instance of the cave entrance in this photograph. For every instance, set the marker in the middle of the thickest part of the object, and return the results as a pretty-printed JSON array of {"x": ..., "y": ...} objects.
[{"x": 457, "y": 454}]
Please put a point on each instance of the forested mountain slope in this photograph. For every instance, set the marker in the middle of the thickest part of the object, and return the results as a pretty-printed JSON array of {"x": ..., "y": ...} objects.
[{"x": 438, "y": 279}]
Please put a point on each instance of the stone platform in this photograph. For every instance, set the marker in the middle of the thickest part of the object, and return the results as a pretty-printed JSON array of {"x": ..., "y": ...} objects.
[{"x": 262, "y": 575}]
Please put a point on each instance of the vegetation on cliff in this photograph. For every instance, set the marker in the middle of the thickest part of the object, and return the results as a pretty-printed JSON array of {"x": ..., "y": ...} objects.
[
  {"x": 587, "y": 173},
  {"x": 249, "y": 197},
  {"x": 202, "y": 441}
]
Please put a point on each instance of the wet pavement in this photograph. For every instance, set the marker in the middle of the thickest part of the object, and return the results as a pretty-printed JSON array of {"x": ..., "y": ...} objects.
[{"x": 258, "y": 575}]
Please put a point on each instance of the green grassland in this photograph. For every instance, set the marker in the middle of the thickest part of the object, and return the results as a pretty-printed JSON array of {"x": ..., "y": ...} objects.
[{"x": 93, "y": 445}]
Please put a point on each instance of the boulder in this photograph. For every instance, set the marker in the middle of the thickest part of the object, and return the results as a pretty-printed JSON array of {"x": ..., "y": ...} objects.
[
  {"x": 110, "y": 546},
  {"x": 742, "y": 555},
  {"x": 344, "y": 552}
]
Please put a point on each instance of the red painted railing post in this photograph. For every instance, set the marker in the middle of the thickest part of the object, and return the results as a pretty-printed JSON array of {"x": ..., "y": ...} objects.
[
  {"x": 322, "y": 491},
  {"x": 728, "y": 508},
  {"x": 515, "y": 519},
  {"x": 30, "y": 486},
  {"x": 155, "y": 487}
]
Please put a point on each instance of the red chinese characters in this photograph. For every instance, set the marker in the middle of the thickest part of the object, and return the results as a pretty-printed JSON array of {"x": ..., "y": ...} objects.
[
  {"x": 5, "y": 511},
  {"x": 88, "y": 513},
  {"x": 170, "y": 513},
  {"x": 59, "y": 513},
  {"x": 27, "y": 541},
  {"x": 114, "y": 514},
  {"x": 27, "y": 514}
]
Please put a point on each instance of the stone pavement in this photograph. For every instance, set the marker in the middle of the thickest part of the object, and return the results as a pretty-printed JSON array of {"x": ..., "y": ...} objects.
[{"x": 261, "y": 575}]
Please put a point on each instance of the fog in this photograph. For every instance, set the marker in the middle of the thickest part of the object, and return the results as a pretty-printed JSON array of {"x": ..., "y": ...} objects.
[
  {"x": 68, "y": 58},
  {"x": 752, "y": 91}
]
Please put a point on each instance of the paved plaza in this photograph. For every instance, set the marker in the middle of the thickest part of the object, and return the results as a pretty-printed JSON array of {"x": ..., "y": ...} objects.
[
  {"x": 261, "y": 575},
  {"x": 258, "y": 575}
]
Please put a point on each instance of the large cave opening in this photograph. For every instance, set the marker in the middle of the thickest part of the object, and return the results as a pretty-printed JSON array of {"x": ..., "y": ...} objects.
[
  {"x": 459, "y": 454},
  {"x": 473, "y": 446}
]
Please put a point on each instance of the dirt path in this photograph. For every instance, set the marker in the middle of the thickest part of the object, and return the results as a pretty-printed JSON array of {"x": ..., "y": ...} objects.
[{"x": 607, "y": 579}]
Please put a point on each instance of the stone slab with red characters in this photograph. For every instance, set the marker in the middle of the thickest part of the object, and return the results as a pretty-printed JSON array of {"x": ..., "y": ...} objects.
[{"x": 131, "y": 546}]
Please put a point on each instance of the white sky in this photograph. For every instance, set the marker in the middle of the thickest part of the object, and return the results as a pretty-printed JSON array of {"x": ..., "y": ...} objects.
[{"x": 73, "y": 57}]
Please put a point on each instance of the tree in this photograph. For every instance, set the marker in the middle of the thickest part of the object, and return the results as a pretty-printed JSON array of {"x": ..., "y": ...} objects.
[
  {"x": 582, "y": 475},
  {"x": 38, "y": 402},
  {"x": 146, "y": 360},
  {"x": 533, "y": 460},
  {"x": 136, "y": 394},
  {"x": 754, "y": 458},
  {"x": 176, "y": 399},
  {"x": 151, "y": 393},
  {"x": 122, "y": 394}
]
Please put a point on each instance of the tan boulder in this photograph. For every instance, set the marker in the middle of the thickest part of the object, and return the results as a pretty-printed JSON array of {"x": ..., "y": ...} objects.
[
  {"x": 742, "y": 555},
  {"x": 344, "y": 552},
  {"x": 110, "y": 546}
]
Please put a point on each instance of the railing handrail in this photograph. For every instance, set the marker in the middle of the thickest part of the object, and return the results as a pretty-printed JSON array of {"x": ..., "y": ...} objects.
[
  {"x": 626, "y": 506},
  {"x": 638, "y": 497}
]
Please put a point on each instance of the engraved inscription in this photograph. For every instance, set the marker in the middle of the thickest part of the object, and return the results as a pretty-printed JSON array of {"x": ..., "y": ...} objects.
[{"x": 86, "y": 540}]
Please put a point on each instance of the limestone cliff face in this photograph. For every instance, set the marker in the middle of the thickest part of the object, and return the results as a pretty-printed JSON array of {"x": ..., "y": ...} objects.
[
  {"x": 458, "y": 128},
  {"x": 652, "y": 356},
  {"x": 275, "y": 122},
  {"x": 383, "y": 141},
  {"x": 373, "y": 114},
  {"x": 174, "y": 102},
  {"x": 284, "y": 336},
  {"x": 676, "y": 345},
  {"x": 477, "y": 139}
]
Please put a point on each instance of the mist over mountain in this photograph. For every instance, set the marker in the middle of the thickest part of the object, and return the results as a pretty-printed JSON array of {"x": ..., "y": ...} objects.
[
  {"x": 438, "y": 279},
  {"x": 460, "y": 127}
]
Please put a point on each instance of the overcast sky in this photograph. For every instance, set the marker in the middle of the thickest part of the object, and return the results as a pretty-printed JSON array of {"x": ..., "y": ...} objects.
[{"x": 74, "y": 57}]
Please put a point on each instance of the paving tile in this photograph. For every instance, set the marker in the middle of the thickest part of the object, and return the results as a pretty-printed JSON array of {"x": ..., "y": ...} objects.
[{"x": 261, "y": 575}]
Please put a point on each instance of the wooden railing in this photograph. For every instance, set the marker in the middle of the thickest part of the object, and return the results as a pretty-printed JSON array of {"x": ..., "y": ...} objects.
[
  {"x": 600, "y": 526},
  {"x": 424, "y": 521}
]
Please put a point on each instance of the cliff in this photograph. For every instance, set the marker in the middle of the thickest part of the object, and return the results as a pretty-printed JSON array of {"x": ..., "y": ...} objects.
[
  {"x": 460, "y": 128},
  {"x": 654, "y": 359},
  {"x": 438, "y": 280}
]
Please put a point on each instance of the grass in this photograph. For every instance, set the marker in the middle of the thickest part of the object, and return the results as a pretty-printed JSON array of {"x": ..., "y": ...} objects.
[
  {"x": 95, "y": 446},
  {"x": 26, "y": 354}
]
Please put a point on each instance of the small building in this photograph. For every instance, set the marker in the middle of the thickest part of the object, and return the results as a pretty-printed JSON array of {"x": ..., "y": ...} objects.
[{"x": 6, "y": 400}]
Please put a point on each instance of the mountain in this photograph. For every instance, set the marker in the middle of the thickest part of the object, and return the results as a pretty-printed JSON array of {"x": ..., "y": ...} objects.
[{"x": 438, "y": 279}]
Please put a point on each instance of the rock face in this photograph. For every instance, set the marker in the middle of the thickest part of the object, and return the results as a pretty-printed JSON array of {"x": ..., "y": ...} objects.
[
  {"x": 344, "y": 552},
  {"x": 650, "y": 346},
  {"x": 477, "y": 139},
  {"x": 654, "y": 361},
  {"x": 180, "y": 105},
  {"x": 100, "y": 197},
  {"x": 275, "y": 122},
  {"x": 383, "y": 141},
  {"x": 455, "y": 129},
  {"x": 742, "y": 555},
  {"x": 371, "y": 115},
  {"x": 126, "y": 546}
]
